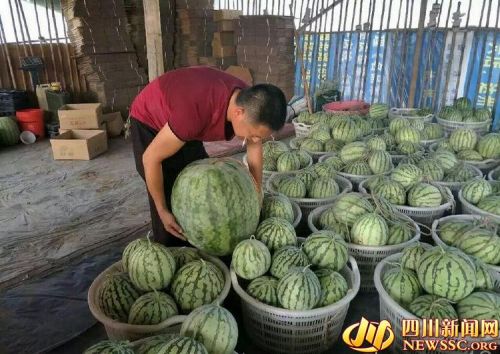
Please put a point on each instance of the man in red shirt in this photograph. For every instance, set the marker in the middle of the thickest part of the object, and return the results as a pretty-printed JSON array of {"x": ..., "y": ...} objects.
[{"x": 175, "y": 113}]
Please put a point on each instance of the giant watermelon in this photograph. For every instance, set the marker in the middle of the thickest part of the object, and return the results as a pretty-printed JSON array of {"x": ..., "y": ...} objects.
[{"x": 216, "y": 204}]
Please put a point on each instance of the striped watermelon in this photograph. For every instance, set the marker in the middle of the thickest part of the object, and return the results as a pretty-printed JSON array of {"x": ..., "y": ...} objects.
[
  {"x": 214, "y": 327},
  {"x": 274, "y": 149},
  {"x": 269, "y": 164},
  {"x": 370, "y": 183},
  {"x": 380, "y": 162},
  {"x": 469, "y": 155},
  {"x": 424, "y": 195},
  {"x": 333, "y": 145},
  {"x": 286, "y": 258},
  {"x": 9, "y": 131},
  {"x": 321, "y": 135},
  {"x": 433, "y": 131},
  {"x": 323, "y": 187},
  {"x": 227, "y": 183},
  {"x": 389, "y": 140},
  {"x": 110, "y": 347},
  {"x": 154, "y": 344},
  {"x": 446, "y": 159},
  {"x": 197, "y": 283},
  {"x": 358, "y": 168},
  {"x": 350, "y": 206},
  {"x": 443, "y": 145},
  {"x": 354, "y": 151},
  {"x": 180, "y": 345},
  {"x": 399, "y": 233},
  {"x": 481, "y": 243},
  {"x": 414, "y": 159},
  {"x": 370, "y": 230},
  {"x": 489, "y": 146},
  {"x": 376, "y": 143},
  {"x": 408, "y": 148},
  {"x": 333, "y": 286},
  {"x": 447, "y": 272},
  {"x": 482, "y": 114},
  {"x": 422, "y": 112},
  {"x": 116, "y": 296},
  {"x": 379, "y": 110},
  {"x": 345, "y": 130},
  {"x": 299, "y": 289},
  {"x": 431, "y": 170},
  {"x": 132, "y": 246},
  {"x": 463, "y": 139},
  {"x": 322, "y": 169},
  {"x": 409, "y": 134},
  {"x": 292, "y": 187},
  {"x": 461, "y": 173},
  {"x": 304, "y": 158},
  {"x": 417, "y": 124},
  {"x": 308, "y": 176},
  {"x": 335, "y": 161},
  {"x": 327, "y": 221},
  {"x": 480, "y": 305},
  {"x": 407, "y": 174},
  {"x": 276, "y": 233},
  {"x": 433, "y": 307},
  {"x": 264, "y": 290},
  {"x": 476, "y": 189},
  {"x": 402, "y": 285},
  {"x": 450, "y": 231},
  {"x": 251, "y": 259},
  {"x": 312, "y": 145},
  {"x": 491, "y": 204},
  {"x": 152, "y": 308},
  {"x": 484, "y": 279},
  {"x": 184, "y": 255},
  {"x": 397, "y": 124},
  {"x": 277, "y": 206},
  {"x": 325, "y": 249},
  {"x": 319, "y": 126},
  {"x": 151, "y": 266},
  {"x": 462, "y": 103},
  {"x": 288, "y": 161},
  {"x": 411, "y": 256},
  {"x": 390, "y": 190}
]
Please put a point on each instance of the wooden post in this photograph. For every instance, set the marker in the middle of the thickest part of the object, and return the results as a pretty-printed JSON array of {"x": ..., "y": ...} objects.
[
  {"x": 154, "y": 42},
  {"x": 416, "y": 55}
]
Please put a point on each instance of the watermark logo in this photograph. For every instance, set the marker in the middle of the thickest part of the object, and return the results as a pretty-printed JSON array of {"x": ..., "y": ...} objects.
[{"x": 370, "y": 337}]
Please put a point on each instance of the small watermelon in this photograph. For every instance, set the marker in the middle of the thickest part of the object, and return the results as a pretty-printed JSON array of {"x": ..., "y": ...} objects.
[
  {"x": 285, "y": 258},
  {"x": 480, "y": 305},
  {"x": 370, "y": 230},
  {"x": 276, "y": 233},
  {"x": 299, "y": 289},
  {"x": 110, "y": 347},
  {"x": 264, "y": 290},
  {"x": 411, "y": 256},
  {"x": 325, "y": 249},
  {"x": 251, "y": 259},
  {"x": 116, "y": 296},
  {"x": 152, "y": 308},
  {"x": 402, "y": 285},
  {"x": 424, "y": 195},
  {"x": 334, "y": 287},
  {"x": 433, "y": 307}
]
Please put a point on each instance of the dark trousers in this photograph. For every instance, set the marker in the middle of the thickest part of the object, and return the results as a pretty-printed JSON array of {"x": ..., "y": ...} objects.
[{"x": 142, "y": 136}]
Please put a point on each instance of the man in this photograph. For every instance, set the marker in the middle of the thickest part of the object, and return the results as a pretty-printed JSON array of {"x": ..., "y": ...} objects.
[{"x": 175, "y": 113}]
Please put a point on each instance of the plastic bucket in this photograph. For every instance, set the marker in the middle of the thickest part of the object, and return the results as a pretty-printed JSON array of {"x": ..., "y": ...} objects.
[{"x": 31, "y": 119}]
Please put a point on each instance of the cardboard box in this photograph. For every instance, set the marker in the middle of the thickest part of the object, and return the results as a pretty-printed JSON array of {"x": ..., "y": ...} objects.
[
  {"x": 80, "y": 116},
  {"x": 103, "y": 127},
  {"x": 221, "y": 15},
  {"x": 79, "y": 144},
  {"x": 241, "y": 73},
  {"x": 226, "y": 25},
  {"x": 219, "y": 51},
  {"x": 113, "y": 123},
  {"x": 224, "y": 38}
]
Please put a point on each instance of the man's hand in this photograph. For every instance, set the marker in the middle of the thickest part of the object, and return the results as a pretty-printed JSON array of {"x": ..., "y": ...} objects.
[{"x": 170, "y": 224}]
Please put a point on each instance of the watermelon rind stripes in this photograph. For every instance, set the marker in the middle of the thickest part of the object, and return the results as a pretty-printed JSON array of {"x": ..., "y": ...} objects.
[
  {"x": 116, "y": 296},
  {"x": 152, "y": 308},
  {"x": 402, "y": 285},
  {"x": 299, "y": 289},
  {"x": 326, "y": 249},
  {"x": 286, "y": 258},
  {"x": 480, "y": 305}
]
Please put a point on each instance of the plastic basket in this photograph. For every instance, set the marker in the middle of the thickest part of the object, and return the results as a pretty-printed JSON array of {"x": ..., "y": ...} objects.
[
  {"x": 495, "y": 269},
  {"x": 281, "y": 331},
  {"x": 301, "y": 129},
  {"x": 296, "y": 209},
  {"x": 424, "y": 216},
  {"x": 494, "y": 175},
  {"x": 469, "y": 208},
  {"x": 410, "y": 114},
  {"x": 367, "y": 256},
  {"x": 266, "y": 175},
  {"x": 478, "y": 127},
  {"x": 393, "y": 312},
  {"x": 316, "y": 155},
  {"x": 309, "y": 204},
  {"x": 124, "y": 331}
]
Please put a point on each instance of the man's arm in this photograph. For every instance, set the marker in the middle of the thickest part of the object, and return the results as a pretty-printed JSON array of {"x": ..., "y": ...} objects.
[
  {"x": 164, "y": 145},
  {"x": 254, "y": 159}
]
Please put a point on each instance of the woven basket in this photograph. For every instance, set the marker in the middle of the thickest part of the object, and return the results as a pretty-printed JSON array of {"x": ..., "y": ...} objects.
[
  {"x": 495, "y": 269},
  {"x": 316, "y": 155},
  {"x": 281, "y": 331},
  {"x": 266, "y": 175},
  {"x": 469, "y": 208},
  {"x": 410, "y": 114},
  {"x": 424, "y": 216},
  {"x": 395, "y": 313},
  {"x": 124, "y": 331},
  {"x": 494, "y": 175},
  {"x": 479, "y": 127},
  {"x": 309, "y": 204},
  {"x": 301, "y": 129},
  {"x": 296, "y": 209},
  {"x": 367, "y": 256}
]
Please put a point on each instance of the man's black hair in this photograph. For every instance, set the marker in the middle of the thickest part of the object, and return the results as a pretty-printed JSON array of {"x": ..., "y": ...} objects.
[{"x": 264, "y": 104}]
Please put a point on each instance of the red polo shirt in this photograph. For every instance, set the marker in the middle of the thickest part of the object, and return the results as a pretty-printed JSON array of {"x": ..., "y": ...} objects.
[{"x": 193, "y": 101}]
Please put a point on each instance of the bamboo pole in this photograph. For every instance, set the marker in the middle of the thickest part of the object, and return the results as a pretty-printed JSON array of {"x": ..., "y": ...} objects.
[
  {"x": 20, "y": 15},
  {"x": 416, "y": 55},
  {"x": 483, "y": 53},
  {"x": 448, "y": 66},
  {"x": 51, "y": 46},
  {"x": 462, "y": 51},
  {"x": 18, "y": 50},
  {"x": 7, "y": 55},
  {"x": 46, "y": 72}
]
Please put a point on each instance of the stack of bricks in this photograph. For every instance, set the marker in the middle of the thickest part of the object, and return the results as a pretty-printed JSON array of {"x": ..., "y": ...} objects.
[
  {"x": 265, "y": 45},
  {"x": 105, "y": 54},
  {"x": 194, "y": 30}
]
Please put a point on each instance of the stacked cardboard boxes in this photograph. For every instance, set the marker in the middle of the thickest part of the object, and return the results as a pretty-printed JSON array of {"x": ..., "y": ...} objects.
[
  {"x": 265, "y": 45},
  {"x": 105, "y": 54},
  {"x": 224, "y": 41}
]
